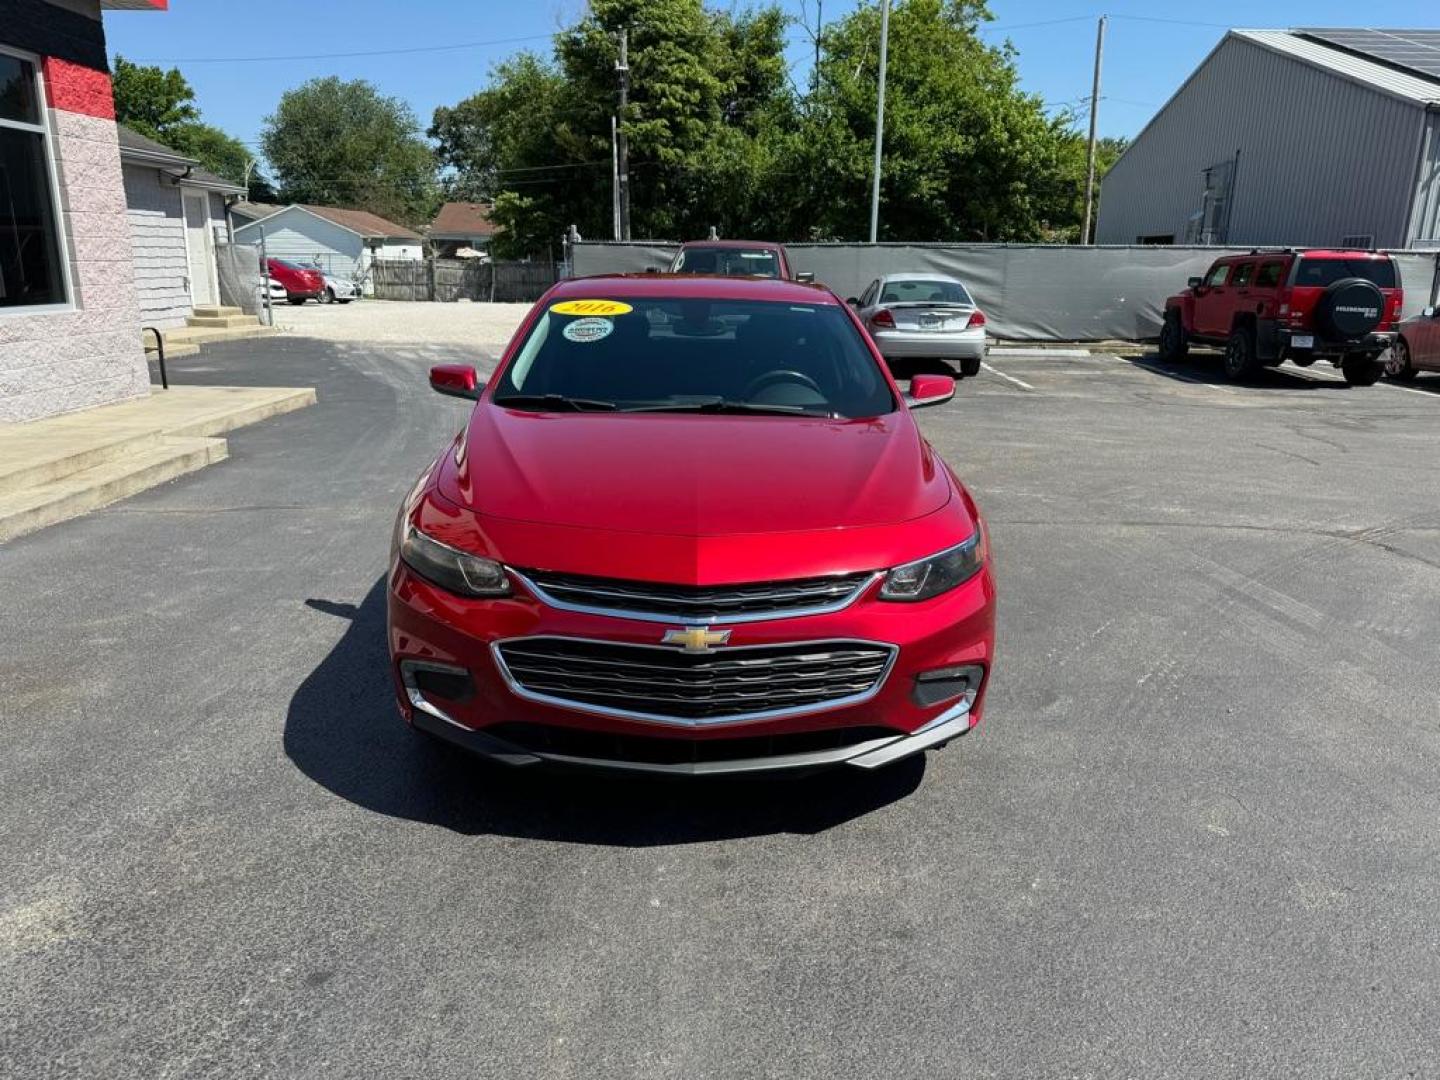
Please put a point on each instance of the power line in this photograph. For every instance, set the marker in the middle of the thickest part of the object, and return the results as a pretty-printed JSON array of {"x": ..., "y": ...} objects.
[{"x": 336, "y": 55}]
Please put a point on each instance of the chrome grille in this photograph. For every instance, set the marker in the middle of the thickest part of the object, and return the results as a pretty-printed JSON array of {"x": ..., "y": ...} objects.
[
  {"x": 654, "y": 683},
  {"x": 749, "y": 602}
]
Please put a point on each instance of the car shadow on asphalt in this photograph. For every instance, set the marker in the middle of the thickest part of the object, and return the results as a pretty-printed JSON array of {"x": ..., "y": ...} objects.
[
  {"x": 1207, "y": 370},
  {"x": 343, "y": 731}
]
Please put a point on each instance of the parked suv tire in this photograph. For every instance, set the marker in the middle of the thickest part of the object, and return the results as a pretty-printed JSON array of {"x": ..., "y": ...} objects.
[
  {"x": 1361, "y": 369},
  {"x": 1173, "y": 345},
  {"x": 1349, "y": 309},
  {"x": 1240, "y": 361}
]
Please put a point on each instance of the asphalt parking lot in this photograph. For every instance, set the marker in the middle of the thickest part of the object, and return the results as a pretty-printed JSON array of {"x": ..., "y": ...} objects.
[{"x": 1197, "y": 835}]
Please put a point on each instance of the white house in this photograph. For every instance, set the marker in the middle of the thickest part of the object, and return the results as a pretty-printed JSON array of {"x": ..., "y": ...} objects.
[
  {"x": 341, "y": 242},
  {"x": 178, "y": 221}
]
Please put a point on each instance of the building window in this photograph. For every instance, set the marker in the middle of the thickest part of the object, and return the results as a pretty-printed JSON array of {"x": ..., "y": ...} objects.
[{"x": 32, "y": 273}]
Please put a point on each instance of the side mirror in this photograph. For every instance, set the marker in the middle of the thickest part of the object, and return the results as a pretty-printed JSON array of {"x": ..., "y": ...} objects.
[
  {"x": 929, "y": 390},
  {"x": 1194, "y": 282},
  {"x": 455, "y": 380},
  {"x": 652, "y": 269},
  {"x": 1430, "y": 312},
  {"x": 805, "y": 276},
  {"x": 853, "y": 301}
]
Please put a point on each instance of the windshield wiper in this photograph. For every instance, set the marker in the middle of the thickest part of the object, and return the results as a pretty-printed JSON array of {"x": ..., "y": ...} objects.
[
  {"x": 726, "y": 405},
  {"x": 554, "y": 401}
]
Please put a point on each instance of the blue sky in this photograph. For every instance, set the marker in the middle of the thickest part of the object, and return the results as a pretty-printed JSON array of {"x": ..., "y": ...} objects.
[{"x": 1146, "y": 57}]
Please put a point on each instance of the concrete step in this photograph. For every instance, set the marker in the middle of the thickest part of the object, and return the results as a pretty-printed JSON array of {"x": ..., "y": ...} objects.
[
  {"x": 89, "y": 489},
  {"x": 222, "y": 320},
  {"x": 249, "y": 406},
  {"x": 215, "y": 311},
  {"x": 194, "y": 335},
  {"x": 172, "y": 348},
  {"x": 65, "y": 458}
]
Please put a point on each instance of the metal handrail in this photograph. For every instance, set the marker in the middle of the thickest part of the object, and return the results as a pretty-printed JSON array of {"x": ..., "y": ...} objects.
[{"x": 160, "y": 350}]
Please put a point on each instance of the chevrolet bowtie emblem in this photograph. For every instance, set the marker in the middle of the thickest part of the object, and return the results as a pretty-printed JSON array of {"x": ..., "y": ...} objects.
[{"x": 696, "y": 638}]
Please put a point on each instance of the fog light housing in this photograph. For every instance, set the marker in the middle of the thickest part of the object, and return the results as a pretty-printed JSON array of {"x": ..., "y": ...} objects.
[
  {"x": 939, "y": 685},
  {"x": 425, "y": 679}
]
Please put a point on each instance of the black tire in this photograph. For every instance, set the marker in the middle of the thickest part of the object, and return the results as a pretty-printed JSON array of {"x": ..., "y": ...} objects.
[
  {"x": 1361, "y": 369},
  {"x": 1349, "y": 309},
  {"x": 1397, "y": 364},
  {"x": 1173, "y": 345},
  {"x": 327, "y": 297},
  {"x": 1240, "y": 355},
  {"x": 296, "y": 300},
  {"x": 969, "y": 367}
]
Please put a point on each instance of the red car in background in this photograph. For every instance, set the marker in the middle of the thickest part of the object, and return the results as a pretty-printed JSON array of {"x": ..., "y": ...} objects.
[
  {"x": 736, "y": 258},
  {"x": 691, "y": 527},
  {"x": 300, "y": 283}
]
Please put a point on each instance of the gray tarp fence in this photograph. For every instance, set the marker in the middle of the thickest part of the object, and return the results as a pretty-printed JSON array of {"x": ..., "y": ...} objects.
[
  {"x": 239, "y": 266},
  {"x": 1029, "y": 292}
]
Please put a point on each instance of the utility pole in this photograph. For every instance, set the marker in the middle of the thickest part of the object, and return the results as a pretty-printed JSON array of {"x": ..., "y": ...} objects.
[
  {"x": 879, "y": 120},
  {"x": 622, "y": 148},
  {"x": 614, "y": 181},
  {"x": 1094, "y": 116}
]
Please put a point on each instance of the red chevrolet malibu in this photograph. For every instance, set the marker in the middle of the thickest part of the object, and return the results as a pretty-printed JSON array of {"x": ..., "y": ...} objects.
[{"x": 691, "y": 527}]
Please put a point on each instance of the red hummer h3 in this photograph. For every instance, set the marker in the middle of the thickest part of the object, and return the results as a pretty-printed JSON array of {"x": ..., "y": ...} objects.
[{"x": 1299, "y": 305}]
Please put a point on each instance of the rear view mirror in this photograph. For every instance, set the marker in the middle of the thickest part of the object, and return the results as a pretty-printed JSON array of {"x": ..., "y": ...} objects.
[
  {"x": 455, "y": 380},
  {"x": 853, "y": 301},
  {"x": 929, "y": 390},
  {"x": 1194, "y": 282},
  {"x": 805, "y": 276}
]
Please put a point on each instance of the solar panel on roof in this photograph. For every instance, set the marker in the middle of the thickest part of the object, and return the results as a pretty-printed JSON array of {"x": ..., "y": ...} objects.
[{"x": 1413, "y": 51}]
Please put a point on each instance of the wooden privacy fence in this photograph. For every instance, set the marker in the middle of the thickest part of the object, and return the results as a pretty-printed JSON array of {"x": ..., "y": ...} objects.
[{"x": 446, "y": 280}]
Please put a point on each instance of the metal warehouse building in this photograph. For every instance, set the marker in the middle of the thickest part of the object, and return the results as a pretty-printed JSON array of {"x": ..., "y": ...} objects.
[{"x": 1299, "y": 137}]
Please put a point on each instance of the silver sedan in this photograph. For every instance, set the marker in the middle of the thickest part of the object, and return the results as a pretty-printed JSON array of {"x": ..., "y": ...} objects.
[{"x": 924, "y": 317}]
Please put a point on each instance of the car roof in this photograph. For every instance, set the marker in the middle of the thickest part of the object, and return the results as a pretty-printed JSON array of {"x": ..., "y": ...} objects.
[
  {"x": 900, "y": 276},
  {"x": 693, "y": 287},
  {"x": 768, "y": 245}
]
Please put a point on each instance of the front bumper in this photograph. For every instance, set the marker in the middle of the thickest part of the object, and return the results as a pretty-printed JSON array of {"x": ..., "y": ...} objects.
[
  {"x": 484, "y": 713},
  {"x": 930, "y": 344}
]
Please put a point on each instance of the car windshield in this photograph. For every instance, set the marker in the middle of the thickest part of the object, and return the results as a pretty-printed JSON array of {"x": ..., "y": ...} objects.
[
  {"x": 732, "y": 262},
  {"x": 1323, "y": 273},
  {"x": 919, "y": 291},
  {"x": 696, "y": 355}
]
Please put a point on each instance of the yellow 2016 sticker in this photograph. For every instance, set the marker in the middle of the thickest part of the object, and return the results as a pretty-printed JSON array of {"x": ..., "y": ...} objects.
[{"x": 591, "y": 307}]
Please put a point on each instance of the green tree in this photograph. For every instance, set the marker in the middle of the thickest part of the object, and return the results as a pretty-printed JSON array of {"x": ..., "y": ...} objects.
[
  {"x": 703, "y": 85},
  {"x": 346, "y": 144},
  {"x": 160, "y": 105},
  {"x": 967, "y": 154},
  {"x": 151, "y": 100}
]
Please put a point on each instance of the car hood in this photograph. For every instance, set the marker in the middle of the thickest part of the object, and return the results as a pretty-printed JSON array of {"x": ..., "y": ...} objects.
[{"x": 688, "y": 475}]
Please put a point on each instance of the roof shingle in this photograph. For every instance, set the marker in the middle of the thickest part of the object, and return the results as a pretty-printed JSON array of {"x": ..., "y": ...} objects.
[{"x": 463, "y": 219}]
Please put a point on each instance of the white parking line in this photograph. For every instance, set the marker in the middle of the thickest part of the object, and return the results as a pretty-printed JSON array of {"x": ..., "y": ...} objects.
[
  {"x": 1008, "y": 378},
  {"x": 1410, "y": 389}
]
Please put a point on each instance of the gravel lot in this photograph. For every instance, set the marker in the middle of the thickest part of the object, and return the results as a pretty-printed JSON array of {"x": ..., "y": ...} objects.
[
  {"x": 1197, "y": 836},
  {"x": 484, "y": 326}
]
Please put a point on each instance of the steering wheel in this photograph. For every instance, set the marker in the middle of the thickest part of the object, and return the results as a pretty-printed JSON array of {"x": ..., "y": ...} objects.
[{"x": 760, "y": 382}]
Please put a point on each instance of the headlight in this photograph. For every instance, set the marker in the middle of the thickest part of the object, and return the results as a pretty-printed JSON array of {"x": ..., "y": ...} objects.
[
  {"x": 940, "y": 573},
  {"x": 468, "y": 575}
]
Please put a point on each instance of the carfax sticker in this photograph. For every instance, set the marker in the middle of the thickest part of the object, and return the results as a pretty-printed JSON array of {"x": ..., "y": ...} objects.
[
  {"x": 591, "y": 307},
  {"x": 584, "y": 331}
]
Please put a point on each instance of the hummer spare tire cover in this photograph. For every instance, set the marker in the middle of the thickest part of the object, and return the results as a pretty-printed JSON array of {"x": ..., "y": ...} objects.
[{"x": 1350, "y": 308}]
